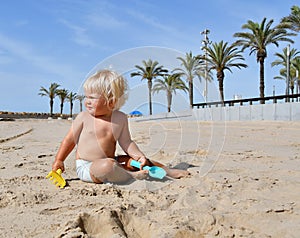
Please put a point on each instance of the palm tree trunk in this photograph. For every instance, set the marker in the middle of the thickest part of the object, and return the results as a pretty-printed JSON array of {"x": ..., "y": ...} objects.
[
  {"x": 71, "y": 109},
  {"x": 61, "y": 108},
  {"x": 169, "y": 98},
  {"x": 51, "y": 107},
  {"x": 150, "y": 95},
  {"x": 191, "y": 94},
  {"x": 262, "y": 80},
  {"x": 220, "y": 76}
]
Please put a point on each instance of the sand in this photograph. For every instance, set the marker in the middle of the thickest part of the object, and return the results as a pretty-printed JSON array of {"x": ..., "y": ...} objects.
[{"x": 244, "y": 182}]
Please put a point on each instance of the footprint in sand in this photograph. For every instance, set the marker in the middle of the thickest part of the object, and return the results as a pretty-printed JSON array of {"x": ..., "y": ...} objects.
[{"x": 105, "y": 223}]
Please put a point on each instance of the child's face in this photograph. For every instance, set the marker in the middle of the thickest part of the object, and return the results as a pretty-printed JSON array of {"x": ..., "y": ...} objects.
[{"x": 96, "y": 104}]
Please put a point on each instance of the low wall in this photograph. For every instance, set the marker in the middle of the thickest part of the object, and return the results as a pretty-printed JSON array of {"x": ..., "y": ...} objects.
[{"x": 277, "y": 111}]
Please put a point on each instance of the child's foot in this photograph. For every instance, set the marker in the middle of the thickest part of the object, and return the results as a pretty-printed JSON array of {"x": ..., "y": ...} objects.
[
  {"x": 141, "y": 174},
  {"x": 177, "y": 173}
]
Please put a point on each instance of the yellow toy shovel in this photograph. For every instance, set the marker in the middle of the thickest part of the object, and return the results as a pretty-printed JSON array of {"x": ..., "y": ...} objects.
[{"x": 56, "y": 178}]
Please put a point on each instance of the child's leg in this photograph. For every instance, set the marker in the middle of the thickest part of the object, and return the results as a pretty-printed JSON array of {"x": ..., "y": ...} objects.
[
  {"x": 173, "y": 173},
  {"x": 124, "y": 160},
  {"x": 110, "y": 171}
]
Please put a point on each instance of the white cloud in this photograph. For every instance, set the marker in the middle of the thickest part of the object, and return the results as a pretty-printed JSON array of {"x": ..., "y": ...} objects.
[
  {"x": 105, "y": 21},
  {"x": 26, "y": 52},
  {"x": 79, "y": 33},
  {"x": 151, "y": 21}
]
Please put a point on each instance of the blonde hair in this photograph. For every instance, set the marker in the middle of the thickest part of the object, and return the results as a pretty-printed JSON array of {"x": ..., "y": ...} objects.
[{"x": 110, "y": 85}]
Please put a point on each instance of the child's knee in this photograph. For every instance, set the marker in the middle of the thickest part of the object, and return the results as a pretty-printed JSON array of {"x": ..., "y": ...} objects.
[{"x": 101, "y": 168}]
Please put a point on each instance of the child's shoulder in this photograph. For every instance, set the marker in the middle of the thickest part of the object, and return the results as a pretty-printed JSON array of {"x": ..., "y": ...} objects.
[
  {"x": 121, "y": 115},
  {"x": 82, "y": 115}
]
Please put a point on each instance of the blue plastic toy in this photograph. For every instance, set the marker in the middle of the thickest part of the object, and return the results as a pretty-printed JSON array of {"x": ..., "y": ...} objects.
[{"x": 154, "y": 171}]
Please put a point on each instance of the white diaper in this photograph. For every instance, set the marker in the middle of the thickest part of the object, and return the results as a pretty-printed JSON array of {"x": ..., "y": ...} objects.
[{"x": 83, "y": 170}]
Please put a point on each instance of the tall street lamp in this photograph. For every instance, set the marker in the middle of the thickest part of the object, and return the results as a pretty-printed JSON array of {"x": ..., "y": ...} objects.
[
  {"x": 287, "y": 70},
  {"x": 297, "y": 81},
  {"x": 205, "y": 42}
]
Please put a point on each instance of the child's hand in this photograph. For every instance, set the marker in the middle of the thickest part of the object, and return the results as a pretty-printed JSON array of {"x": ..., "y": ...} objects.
[
  {"x": 143, "y": 161},
  {"x": 58, "y": 165}
]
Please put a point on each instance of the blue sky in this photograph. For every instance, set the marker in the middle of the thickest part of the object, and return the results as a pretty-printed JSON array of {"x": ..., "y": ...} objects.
[{"x": 63, "y": 41}]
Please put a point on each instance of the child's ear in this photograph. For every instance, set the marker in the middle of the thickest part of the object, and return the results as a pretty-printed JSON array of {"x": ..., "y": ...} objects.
[{"x": 112, "y": 104}]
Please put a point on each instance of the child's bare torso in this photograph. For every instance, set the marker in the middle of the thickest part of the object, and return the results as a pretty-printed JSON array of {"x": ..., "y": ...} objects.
[{"x": 98, "y": 137}]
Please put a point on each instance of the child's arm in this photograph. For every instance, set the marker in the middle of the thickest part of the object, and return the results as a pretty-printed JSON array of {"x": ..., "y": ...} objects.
[
  {"x": 129, "y": 146},
  {"x": 68, "y": 144},
  {"x": 65, "y": 149}
]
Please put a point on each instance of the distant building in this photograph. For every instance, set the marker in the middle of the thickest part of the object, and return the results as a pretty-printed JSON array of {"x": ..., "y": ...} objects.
[{"x": 237, "y": 97}]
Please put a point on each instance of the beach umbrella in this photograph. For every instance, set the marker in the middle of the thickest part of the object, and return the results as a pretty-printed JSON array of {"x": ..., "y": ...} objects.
[{"x": 136, "y": 113}]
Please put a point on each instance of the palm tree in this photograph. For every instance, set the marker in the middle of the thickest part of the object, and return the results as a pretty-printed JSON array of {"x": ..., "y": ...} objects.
[
  {"x": 150, "y": 70},
  {"x": 257, "y": 40},
  {"x": 293, "y": 19},
  {"x": 283, "y": 59},
  {"x": 62, "y": 94},
  {"x": 296, "y": 65},
  {"x": 71, "y": 97},
  {"x": 169, "y": 83},
  {"x": 222, "y": 57},
  {"x": 192, "y": 66},
  {"x": 51, "y": 93},
  {"x": 292, "y": 78},
  {"x": 80, "y": 98}
]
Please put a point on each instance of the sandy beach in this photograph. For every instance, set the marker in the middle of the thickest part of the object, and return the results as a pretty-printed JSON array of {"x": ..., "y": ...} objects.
[{"x": 244, "y": 182}]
